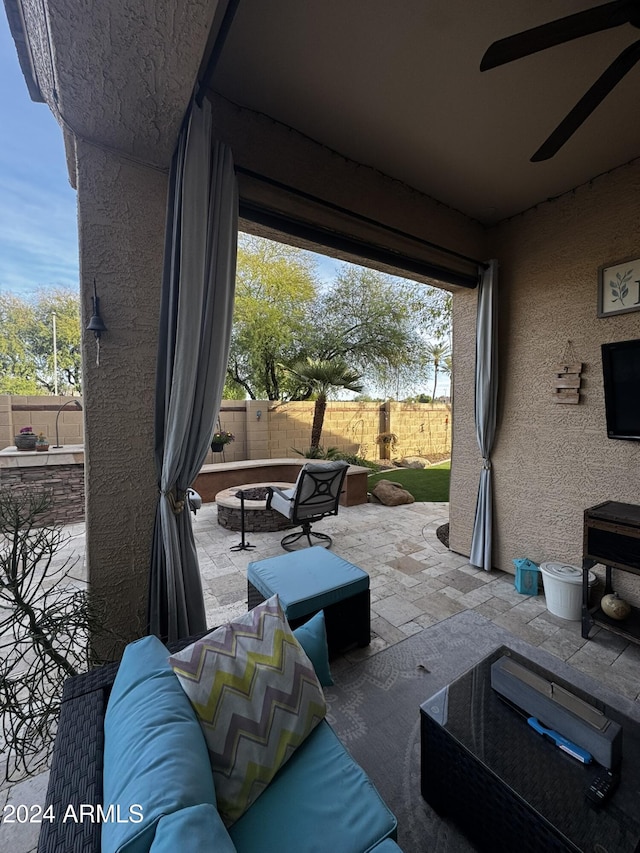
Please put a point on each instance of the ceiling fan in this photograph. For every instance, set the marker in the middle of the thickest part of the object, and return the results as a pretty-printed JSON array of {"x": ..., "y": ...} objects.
[{"x": 566, "y": 29}]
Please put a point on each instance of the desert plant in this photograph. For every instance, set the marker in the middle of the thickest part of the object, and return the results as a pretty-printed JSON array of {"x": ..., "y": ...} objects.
[
  {"x": 389, "y": 438},
  {"x": 321, "y": 376},
  {"x": 45, "y": 625},
  {"x": 319, "y": 453},
  {"x": 352, "y": 459}
]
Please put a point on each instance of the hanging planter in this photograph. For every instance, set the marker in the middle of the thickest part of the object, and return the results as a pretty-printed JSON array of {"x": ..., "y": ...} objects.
[{"x": 219, "y": 439}]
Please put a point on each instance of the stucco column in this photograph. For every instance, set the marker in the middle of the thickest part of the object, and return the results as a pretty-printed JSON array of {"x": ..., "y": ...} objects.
[{"x": 121, "y": 214}]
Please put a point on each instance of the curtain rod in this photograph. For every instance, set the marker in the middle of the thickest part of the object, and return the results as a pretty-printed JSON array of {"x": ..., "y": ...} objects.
[
  {"x": 359, "y": 216},
  {"x": 333, "y": 240}
]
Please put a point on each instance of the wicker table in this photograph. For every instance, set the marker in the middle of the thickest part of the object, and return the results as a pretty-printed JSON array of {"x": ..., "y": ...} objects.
[{"x": 509, "y": 789}]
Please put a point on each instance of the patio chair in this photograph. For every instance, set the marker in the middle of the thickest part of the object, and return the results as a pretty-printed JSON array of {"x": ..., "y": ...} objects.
[{"x": 315, "y": 495}]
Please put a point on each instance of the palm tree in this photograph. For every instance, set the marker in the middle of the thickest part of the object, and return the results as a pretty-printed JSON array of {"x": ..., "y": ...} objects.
[
  {"x": 320, "y": 376},
  {"x": 436, "y": 353}
]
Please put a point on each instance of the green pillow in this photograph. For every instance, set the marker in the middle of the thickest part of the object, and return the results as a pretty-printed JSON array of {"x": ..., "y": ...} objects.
[{"x": 257, "y": 697}]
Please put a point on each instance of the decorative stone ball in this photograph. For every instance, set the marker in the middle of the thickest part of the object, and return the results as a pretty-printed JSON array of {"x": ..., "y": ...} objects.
[{"x": 615, "y": 607}]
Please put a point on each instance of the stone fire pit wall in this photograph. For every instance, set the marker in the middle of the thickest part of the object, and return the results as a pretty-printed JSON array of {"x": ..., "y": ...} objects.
[{"x": 257, "y": 518}]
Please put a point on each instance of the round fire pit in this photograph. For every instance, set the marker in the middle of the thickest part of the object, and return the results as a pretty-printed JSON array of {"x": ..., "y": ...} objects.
[{"x": 257, "y": 518}]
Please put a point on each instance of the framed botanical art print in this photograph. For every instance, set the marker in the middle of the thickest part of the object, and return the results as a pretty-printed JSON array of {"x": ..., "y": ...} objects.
[{"x": 619, "y": 288}]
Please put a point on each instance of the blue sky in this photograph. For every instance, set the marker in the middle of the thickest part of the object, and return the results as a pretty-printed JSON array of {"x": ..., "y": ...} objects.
[{"x": 38, "y": 228}]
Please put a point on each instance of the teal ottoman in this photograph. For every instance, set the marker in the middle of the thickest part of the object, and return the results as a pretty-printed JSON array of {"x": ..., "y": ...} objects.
[{"x": 311, "y": 580}]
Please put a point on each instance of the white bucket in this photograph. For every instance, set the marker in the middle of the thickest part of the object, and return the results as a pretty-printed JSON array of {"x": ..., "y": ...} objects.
[{"x": 563, "y": 589}]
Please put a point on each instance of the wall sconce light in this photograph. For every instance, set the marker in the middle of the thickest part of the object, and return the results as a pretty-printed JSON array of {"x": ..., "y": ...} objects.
[
  {"x": 96, "y": 324},
  {"x": 258, "y": 414}
]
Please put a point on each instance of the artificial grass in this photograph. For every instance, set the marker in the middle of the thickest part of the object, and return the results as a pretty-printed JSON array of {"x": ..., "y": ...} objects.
[{"x": 425, "y": 484}]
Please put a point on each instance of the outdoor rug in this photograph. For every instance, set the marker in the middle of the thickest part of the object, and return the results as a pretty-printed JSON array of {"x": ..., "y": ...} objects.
[{"x": 375, "y": 709}]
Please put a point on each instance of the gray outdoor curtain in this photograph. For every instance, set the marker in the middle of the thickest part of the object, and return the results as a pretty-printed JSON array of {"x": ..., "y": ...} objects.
[
  {"x": 485, "y": 410},
  {"x": 195, "y": 328}
]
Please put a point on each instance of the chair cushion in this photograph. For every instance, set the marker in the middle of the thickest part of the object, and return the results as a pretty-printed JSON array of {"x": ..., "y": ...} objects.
[
  {"x": 312, "y": 636},
  {"x": 322, "y": 796},
  {"x": 154, "y": 754},
  {"x": 307, "y": 581},
  {"x": 193, "y": 830},
  {"x": 281, "y": 501},
  {"x": 257, "y": 697}
]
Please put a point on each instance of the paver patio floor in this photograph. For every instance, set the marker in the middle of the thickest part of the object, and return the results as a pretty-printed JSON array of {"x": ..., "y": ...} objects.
[{"x": 415, "y": 582}]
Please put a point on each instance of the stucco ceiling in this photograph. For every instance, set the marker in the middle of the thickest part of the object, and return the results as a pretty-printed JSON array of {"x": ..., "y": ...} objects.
[
  {"x": 394, "y": 86},
  {"x": 397, "y": 86}
]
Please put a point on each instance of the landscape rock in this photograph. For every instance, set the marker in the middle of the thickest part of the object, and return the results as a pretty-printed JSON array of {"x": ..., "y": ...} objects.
[
  {"x": 391, "y": 494},
  {"x": 413, "y": 463}
]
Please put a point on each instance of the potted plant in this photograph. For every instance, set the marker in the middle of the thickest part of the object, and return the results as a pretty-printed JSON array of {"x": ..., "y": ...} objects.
[
  {"x": 26, "y": 440},
  {"x": 220, "y": 438},
  {"x": 42, "y": 442}
]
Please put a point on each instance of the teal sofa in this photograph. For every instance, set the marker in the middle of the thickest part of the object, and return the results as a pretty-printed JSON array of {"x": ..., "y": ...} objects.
[{"x": 148, "y": 769}]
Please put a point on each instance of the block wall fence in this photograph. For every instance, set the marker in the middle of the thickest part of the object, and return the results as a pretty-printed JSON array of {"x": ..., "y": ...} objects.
[{"x": 264, "y": 429}]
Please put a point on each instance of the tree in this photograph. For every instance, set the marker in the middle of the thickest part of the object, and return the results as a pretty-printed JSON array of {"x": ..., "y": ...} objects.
[
  {"x": 320, "y": 377},
  {"x": 275, "y": 285},
  {"x": 26, "y": 343},
  {"x": 380, "y": 324},
  {"x": 377, "y": 323},
  {"x": 17, "y": 371},
  {"x": 436, "y": 353}
]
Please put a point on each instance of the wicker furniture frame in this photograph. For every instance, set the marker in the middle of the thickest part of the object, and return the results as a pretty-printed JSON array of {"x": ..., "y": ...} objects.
[
  {"x": 77, "y": 762},
  {"x": 508, "y": 788}
]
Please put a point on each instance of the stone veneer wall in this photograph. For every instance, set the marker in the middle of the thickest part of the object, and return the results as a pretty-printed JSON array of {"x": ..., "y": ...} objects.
[
  {"x": 61, "y": 473},
  {"x": 550, "y": 461}
]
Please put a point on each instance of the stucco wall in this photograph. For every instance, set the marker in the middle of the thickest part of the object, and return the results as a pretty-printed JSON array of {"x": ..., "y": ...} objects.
[
  {"x": 550, "y": 461},
  {"x": 121, "y": 212}
]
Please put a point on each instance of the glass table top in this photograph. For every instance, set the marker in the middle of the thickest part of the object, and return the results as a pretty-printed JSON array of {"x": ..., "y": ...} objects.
[{"x": 550, "y": 781}]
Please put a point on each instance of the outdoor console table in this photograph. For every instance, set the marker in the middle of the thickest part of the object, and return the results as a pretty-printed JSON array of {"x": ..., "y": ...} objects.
[
  {"x": 612, "y": 538},
  {"x": 507, "y": 787}
]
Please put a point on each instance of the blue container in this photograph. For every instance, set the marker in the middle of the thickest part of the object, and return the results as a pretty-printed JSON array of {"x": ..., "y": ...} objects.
[{"x": 527, "y": 576}]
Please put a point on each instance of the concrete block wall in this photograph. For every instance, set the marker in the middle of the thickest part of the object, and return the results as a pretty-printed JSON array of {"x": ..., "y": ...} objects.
[
  {"x": 40, "y": 412},
  {"x": 272, "y": 430},
  {"x": 265, "y": 429},
  {"x": 422, "y": 429}
]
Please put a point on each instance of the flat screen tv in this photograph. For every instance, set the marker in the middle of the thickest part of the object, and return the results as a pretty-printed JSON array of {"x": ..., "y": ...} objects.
[{"x": 621, "y": 371}]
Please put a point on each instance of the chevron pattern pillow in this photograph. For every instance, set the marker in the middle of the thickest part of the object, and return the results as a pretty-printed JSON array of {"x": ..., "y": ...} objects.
[{"x": 257, "y": 697}]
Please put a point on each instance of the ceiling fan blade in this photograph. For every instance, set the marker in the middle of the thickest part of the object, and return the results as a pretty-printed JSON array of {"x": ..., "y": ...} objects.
[
  {"x": 594, "y": 20},
  {"x": 588, "y": 102}
]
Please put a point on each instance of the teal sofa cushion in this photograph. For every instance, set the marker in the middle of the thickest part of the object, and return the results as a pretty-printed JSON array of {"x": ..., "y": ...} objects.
[
  {"x": 312, "y": 636},
  {"x": 342, "y": 812},
  {"x": 194, "y": 830},
  {"x": 307, "y": 580},
  {"x": 155, "y": 754}
]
